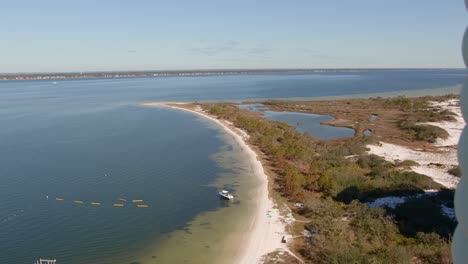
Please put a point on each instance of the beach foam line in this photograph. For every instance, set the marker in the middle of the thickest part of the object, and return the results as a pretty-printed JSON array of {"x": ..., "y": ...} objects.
[{"x": 267, "y": 227}]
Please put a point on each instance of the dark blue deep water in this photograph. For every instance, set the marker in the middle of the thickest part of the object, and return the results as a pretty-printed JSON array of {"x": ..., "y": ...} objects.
[{"x": 88, "y": 140}]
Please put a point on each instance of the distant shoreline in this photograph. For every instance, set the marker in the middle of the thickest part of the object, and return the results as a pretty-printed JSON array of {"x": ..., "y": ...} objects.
[{"x": 136, "y": 74}]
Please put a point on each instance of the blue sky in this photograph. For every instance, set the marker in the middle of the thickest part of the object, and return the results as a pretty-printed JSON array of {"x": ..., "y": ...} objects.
[{"x": 158, "y": 35}]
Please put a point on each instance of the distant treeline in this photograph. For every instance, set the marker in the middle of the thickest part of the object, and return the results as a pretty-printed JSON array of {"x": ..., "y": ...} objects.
[{"x": 129, "y": 74}]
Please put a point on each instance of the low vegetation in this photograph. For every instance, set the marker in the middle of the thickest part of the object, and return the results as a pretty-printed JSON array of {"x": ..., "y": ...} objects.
[
  {"x": 420, "y": 109},
  {"x": 335, "y": 179},
  {"x": 455, "y": 171},
  {"x": 427, "y": 133}
]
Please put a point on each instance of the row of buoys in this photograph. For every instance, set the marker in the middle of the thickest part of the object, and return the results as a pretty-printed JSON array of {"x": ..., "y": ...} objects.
[{"x": 138, "y": 202}]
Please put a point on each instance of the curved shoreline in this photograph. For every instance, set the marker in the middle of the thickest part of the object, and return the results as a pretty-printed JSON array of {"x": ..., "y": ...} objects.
[{"x": 267, "y": 226}]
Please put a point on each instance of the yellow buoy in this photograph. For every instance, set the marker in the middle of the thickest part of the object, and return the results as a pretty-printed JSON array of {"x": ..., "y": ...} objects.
[
  {"x": 122, "y": 199},
  {"x": 137, "y": 201},
  {"x": 118, "y": 205},
  {"x": 94, "y": 203},
  {"x": 78, "y": 202},
  {"x": 59, "y": 199},
  {"x": 142, "y": 205}
]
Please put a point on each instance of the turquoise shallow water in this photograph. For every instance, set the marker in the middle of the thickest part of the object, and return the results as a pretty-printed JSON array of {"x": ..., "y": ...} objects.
[{"x": 87, "y": 140}]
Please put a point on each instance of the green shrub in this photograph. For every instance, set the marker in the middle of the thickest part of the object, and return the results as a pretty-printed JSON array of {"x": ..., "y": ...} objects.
[
  {"x": 428, "y": 133},
  {"x": 326, "y": 184},
  {"x": 406, "y": 163},
  {"x": 455, "y": 171}
]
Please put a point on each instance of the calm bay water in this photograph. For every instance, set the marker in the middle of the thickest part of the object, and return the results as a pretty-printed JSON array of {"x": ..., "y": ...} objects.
[
  {"x": 311, "y": 124},
  {"x": 87, "y": 140},
  {"x": 303, "y": 122},
  {"x": 131, "y": 153}
]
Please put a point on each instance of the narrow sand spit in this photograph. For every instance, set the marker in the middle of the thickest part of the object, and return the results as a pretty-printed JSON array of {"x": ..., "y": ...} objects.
[
  {"x": 268, "y": 226},
  {"x": 432, "y": 164}
]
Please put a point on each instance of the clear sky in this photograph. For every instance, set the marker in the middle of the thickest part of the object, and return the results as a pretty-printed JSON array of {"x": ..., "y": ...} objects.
[{"x": 97, "y": 35}]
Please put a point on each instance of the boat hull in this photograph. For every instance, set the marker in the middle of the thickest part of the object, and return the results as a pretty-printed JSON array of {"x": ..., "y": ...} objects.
[{"x": 224, "y": 197}]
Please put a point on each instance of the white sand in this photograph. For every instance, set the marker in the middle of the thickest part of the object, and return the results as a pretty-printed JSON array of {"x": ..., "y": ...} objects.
[
  {"x": 268, "y": 226},
  {"x": 446, "y": 156},
  {"x": 453, "y": 128}
]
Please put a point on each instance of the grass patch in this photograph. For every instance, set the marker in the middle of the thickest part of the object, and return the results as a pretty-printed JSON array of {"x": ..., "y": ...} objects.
[
  {"x": 455, "y": 171},
  {"x": 406, "y": 163},
  {"x": 427, "y": 133}
]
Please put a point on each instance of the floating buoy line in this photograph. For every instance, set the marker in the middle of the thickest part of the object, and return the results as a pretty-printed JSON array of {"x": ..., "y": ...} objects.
[{"x": 121, "y": 202}]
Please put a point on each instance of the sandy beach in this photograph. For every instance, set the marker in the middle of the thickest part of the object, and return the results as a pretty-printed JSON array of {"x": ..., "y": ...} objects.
[
  {"x": 434, "y": 164},
  {"x": 268, "y": 225}
]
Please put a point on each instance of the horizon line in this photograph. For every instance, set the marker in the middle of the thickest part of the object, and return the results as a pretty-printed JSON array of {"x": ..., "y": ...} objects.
[{"x": 226, "y": 70}]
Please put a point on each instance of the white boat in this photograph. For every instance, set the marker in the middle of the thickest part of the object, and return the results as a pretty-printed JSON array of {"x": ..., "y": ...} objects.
[
  {"x": 225, "y": 195},
  {"x": 45, "y": 261}
]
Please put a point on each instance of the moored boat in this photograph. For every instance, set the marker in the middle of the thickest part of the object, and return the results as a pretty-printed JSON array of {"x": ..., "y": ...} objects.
[{"x": 225, "y": 195}]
